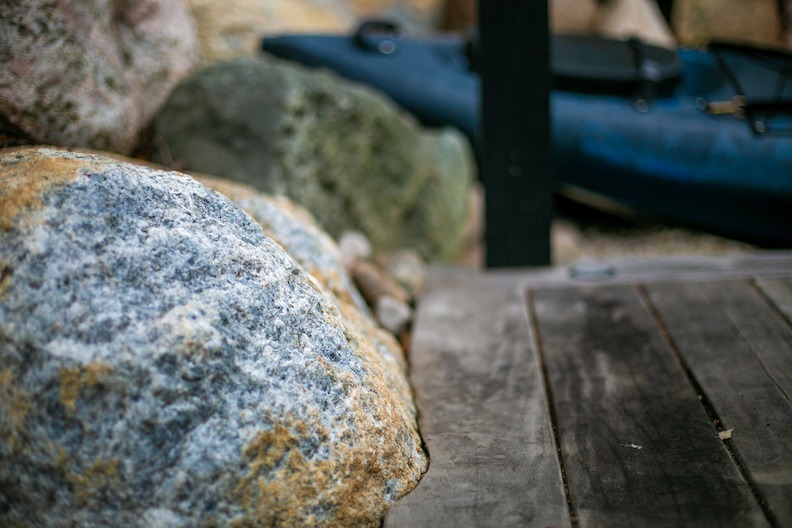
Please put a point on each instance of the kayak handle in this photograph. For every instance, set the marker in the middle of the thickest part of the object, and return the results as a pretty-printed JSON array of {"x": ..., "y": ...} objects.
[
  {"x": 379, "y": 36},
  {"x": 760, "y": 114}
]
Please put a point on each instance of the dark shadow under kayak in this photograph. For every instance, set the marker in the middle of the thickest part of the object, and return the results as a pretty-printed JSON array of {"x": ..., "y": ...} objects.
[{"x": 700, "y": 138}]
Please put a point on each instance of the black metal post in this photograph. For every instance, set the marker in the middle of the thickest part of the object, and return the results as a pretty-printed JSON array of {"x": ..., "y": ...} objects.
[
  {"x": 515, "y": 143},
  {"x": 665, "y": 8}
]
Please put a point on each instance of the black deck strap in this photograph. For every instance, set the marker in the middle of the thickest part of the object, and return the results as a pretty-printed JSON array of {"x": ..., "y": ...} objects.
[
  {"x": 613, "y": 67},
  {"x": 754, "y": 108},
  {"x": 649, "y": 75},
  {"x": 379, "y": 36},
  {"x": 716, "y": 49}
]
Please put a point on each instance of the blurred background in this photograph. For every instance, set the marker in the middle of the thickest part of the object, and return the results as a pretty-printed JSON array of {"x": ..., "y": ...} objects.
[{"x": 231, "y": 28}]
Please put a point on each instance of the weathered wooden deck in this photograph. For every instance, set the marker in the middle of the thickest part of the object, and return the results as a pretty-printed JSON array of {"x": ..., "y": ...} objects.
[{"x": 652, "y": 393}]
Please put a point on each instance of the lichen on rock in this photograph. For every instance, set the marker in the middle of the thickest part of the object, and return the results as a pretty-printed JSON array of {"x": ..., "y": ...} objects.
[
  {"x": 342, "y": 151},
  {"x": 91, "y": 73},
  {"x": 298, "y": 232},
  {"x": 164, "y": 362}
]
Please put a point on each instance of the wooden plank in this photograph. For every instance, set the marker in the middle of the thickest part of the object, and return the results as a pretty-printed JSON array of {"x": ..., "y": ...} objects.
[
  {"x": 483, "y": 415},
  {"x": 779, "y": 291},
  {"x": 759, "y": 328},
  {"x": 770, "y": 264},
  {"x": 739, "y": 350},
  {"x": 637, "y": 445}
]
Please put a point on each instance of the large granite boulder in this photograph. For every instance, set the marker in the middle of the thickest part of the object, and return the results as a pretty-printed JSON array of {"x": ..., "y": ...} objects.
[
  {"x": 297, "y": 231},
  {"x": 91, "y": 73},
  {"x": 340, "y": 150},
  {"x": 165, "y": 363}
]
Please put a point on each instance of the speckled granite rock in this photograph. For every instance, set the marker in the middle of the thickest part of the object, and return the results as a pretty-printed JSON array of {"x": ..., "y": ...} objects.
[
  {"x": 164, "y": 363},
  {"x": 297, "y": 231},
  {"x": 91, "y": 73},
  {"x": 340, "y": 150}
]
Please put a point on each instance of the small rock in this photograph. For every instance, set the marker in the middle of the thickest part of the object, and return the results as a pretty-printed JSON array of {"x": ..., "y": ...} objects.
[
  {"x": 407, "y": 268},
  {"x": 354, "y": 245},
  {"x": 373, "y": 283},
  {"x": 91, "y": 73},
  {"x": 566, "y": 241},
  {"x": 393, "y": 314}
]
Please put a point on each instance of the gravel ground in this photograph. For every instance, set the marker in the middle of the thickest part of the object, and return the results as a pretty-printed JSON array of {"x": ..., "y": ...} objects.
[
  {"x": 584, "y": 234},
  {"x": 581, "y": 233}
]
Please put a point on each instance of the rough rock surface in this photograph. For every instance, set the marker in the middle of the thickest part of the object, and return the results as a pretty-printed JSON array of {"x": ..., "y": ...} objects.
[
  {"x": 340, "y": 150},
  {"x": 407, "y": 268},
  {"x": 611, "y": 18},
  {"x": 297, "y": 231},
  {"x": 354, "y": 245},
  {"x": 91, "y": 73},
  {"x": 164, "y": 363},
  {"x": 697, "y": 22},
  {"x": 374, "y": 282},
  {"x": 623, "y": 19},
  {"x": 572, "y": 16},
  {"x": 393, "y": 313},
  {"x": 229, "y": 29}
]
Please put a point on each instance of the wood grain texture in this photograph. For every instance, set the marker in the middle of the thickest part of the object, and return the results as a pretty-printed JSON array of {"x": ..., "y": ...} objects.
[
  {"x": 779, "y": 291},
  {"x": 483, "y": 415},
  {"x": 636, "y": 270},
  {"x": 637, "y": 445},
  {"x": 739, "y": 349}
]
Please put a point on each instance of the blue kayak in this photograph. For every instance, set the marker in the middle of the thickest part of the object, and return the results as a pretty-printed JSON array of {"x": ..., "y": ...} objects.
[{"x": 697, "y": 137}]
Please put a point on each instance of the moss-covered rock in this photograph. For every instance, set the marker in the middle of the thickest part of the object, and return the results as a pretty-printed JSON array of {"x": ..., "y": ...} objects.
[{"x": 340, "y": 150}]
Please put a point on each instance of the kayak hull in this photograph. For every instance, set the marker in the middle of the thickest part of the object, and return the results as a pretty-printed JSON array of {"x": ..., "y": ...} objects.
[{"x": 669, "y": 158}]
